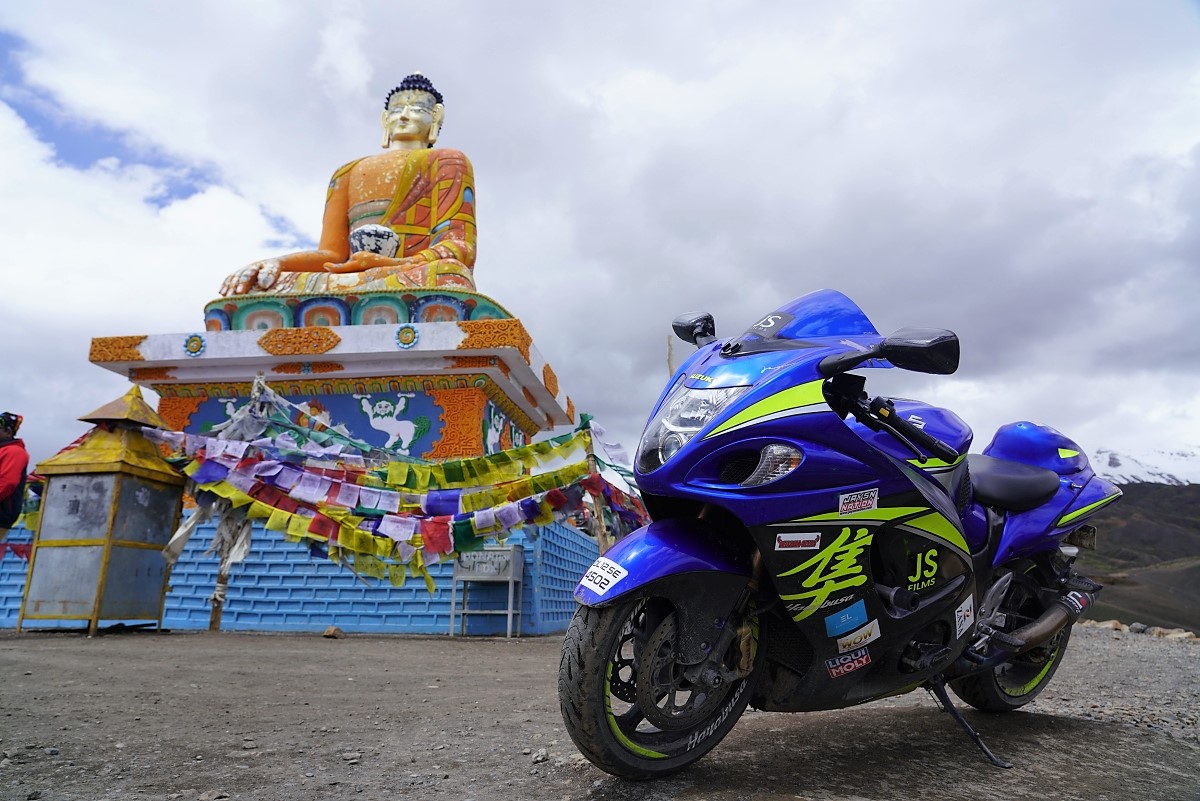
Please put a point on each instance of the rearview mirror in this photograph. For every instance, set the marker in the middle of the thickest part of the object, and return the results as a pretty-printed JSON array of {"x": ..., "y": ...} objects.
[
  {"x": 923, "y": 350},
  {"x": 698, "y": 328}
]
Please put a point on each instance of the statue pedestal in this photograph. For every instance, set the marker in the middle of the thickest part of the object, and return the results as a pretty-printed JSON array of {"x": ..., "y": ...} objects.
[
  {"x": 297, "y": 310},
  {"x": 431, "y": 390}
]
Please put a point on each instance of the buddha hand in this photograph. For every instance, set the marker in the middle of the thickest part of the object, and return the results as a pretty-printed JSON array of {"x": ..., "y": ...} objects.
[
  {"x": 259, "y": 275},
  {"x": 362, "y": 260}
]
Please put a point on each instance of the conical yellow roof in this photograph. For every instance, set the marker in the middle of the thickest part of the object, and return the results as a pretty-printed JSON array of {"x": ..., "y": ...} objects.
[
  {"x": 110, "y": 448},
  {"x": 130, "y": 407},
  {"x": 105, "y": 450}
]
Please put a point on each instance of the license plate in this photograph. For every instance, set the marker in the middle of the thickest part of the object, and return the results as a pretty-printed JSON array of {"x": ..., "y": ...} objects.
[
  {"x": 1082, "y": 537},
  {"x": 603, "y": 575}
]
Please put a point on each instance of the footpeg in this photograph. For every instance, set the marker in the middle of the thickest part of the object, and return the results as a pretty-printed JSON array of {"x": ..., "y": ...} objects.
[
  {"x": 920, "y": 656},
  {"x": 1005, "y": 640},
  {"x": 1080, "y": 583}
]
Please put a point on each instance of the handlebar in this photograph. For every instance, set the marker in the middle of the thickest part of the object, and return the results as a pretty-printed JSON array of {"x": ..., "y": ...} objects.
[
  {"x": 846, "y": 396},
  {"x": 884, "y": 411}
]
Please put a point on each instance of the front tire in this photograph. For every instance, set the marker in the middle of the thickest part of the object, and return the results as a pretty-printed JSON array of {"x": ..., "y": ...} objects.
[{"x": 624, "y": 700}]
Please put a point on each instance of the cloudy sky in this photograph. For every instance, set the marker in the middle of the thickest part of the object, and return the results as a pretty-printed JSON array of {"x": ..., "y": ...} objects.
[{"x": 1024, "y": 174}]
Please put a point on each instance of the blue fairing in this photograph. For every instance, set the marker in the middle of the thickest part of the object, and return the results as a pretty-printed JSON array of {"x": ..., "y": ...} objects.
[
  {"x": 824, "y": 313},
  {"x": 1039, "y": 446},
  {"x": 805, "y": 329},
  {"x": 663, "y": 548},
  {"x": 780, "y": 352},
  {"x": 1079, "y": 488}
]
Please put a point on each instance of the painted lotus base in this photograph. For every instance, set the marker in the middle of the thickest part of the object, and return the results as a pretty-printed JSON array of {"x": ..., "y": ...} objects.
[{"x": 265, "y": 310}]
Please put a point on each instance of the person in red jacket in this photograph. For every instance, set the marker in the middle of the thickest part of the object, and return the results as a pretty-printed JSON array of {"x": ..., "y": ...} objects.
[{"x": 14, "y": 461}]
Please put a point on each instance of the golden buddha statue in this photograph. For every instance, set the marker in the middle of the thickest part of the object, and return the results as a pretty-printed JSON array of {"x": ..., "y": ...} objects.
[{"x": 403, "y": 218}]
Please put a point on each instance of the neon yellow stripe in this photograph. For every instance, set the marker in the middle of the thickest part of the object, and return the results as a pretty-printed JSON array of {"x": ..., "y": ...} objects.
[
  {"x": 1033, "y": 683},
  {"x": 616, "y": 730},
  {"x": 791, "y": 399},
  {"x": 931, "y": 522},
  {"x": 1065, "y": 453},
  {"x": 936, "y": 524},
  {"x": 871, "y": 515},
  {"x": 1091, "y": 507}
]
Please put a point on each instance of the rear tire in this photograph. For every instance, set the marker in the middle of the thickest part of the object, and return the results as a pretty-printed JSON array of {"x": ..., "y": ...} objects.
[
  {"x": 619, "y": 657},
  {"x": 1018, "y": 681}
]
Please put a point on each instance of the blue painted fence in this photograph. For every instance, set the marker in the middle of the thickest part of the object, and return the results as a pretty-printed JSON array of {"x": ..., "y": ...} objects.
[{"x": 281, "y": 588}]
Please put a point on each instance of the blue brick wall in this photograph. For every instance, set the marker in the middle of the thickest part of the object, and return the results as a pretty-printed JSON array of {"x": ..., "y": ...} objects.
[
  {"x": 12, "y": 580},
  {"x": 281, "y": 588}
]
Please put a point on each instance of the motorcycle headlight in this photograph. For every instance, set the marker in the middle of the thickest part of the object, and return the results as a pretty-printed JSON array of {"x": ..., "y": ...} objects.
[{"x": 681, "y": 416}]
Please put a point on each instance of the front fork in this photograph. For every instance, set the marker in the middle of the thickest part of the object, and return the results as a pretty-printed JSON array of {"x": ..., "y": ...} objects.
[{"x": 713, "y": 671}]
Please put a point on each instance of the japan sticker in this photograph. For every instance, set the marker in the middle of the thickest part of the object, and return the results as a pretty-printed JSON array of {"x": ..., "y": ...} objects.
[
  {"x": 602, "y": 576},
  {"x": 964, "y": 616},
  {"x": 797, "y": 541},
  {"x": 853, "y": 502}
]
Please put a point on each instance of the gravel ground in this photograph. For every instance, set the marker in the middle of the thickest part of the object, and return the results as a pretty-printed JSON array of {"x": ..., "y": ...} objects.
[{"x": 201, "y": 716}]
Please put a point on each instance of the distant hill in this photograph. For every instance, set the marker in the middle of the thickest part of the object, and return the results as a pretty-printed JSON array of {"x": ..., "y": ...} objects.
[
  {"x": 1148, "y": 557},
  {"x": 1177, "y": 467}
]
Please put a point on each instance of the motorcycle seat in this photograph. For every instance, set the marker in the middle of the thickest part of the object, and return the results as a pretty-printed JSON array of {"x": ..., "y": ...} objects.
[{"x": 1009, "y": 485}]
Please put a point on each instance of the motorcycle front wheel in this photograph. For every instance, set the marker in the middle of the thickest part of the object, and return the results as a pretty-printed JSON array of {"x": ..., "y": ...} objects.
[{"x": 625, "y": 701}]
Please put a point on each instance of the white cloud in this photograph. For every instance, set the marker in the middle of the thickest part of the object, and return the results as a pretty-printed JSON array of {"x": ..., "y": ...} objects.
[{"x": 1023, "y": 175}]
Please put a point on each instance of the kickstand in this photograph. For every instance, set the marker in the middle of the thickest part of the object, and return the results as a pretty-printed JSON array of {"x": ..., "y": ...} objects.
[{"x": 937, "y": 688}]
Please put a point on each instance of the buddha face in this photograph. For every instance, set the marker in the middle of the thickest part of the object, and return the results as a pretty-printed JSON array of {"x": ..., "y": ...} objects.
[{"x": 411, "y": 120}]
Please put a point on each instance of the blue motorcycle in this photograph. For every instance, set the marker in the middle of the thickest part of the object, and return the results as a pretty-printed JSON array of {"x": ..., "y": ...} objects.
[{"x": 816, "y": 548}]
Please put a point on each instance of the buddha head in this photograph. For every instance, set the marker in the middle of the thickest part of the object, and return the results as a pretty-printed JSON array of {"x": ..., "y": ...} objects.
[{"x": 412, "y": 114}]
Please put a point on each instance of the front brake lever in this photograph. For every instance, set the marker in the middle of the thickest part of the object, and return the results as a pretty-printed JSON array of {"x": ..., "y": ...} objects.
[
  {"x": 903, "y": 440},
  {"x": 880, "y": 403}
]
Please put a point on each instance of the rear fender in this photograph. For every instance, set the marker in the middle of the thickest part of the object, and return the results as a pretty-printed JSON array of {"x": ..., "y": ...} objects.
[{"x": 683, "y": 561}]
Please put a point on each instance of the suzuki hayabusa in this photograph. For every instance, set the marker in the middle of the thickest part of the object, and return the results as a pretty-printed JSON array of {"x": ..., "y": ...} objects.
[{"x": 814, "y": 548}]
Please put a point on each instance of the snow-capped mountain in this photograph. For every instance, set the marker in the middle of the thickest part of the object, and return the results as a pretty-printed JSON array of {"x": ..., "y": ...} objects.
[{"x": 1176, "y": 467}]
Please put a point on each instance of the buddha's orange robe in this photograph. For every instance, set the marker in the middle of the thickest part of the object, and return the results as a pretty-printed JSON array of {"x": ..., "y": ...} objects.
[{"x": 427, "y": 197}]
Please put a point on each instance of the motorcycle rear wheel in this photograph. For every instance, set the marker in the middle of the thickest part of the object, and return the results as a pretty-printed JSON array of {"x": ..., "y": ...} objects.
[
  {"x": 617, "y": 658},
  {"x": 1018, "y": 681}
]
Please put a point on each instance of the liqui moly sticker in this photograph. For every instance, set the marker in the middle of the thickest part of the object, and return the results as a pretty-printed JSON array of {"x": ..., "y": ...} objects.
[
  {"x": 964, "y": 616},
  {"x": 857, "y": 639},
  {"x": 798, "y": 542},
  {"x": 861, "y": 501},
  {"x": 602, "y": 576},
  {"x": 848, "y": 663}
]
